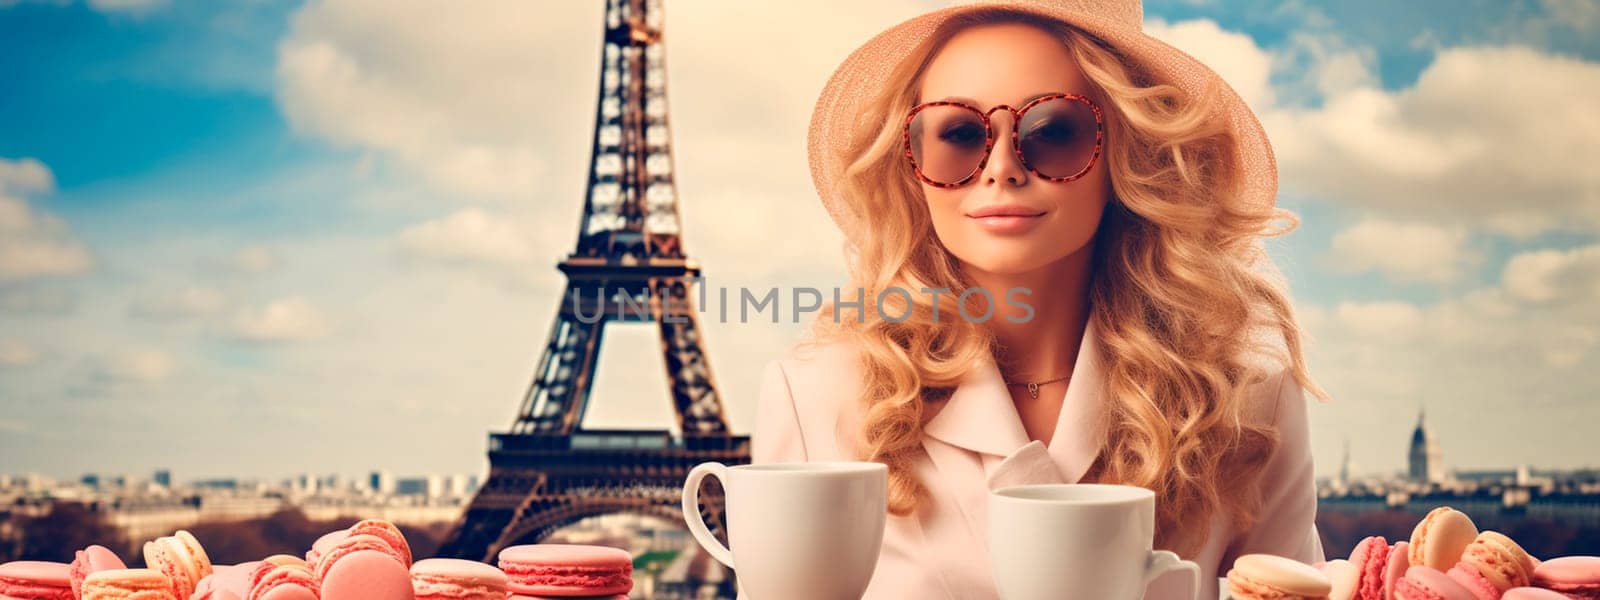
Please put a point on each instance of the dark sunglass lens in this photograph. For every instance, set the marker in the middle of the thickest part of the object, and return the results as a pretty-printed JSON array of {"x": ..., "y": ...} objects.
[
  {"x": 947, "y": 142},
  {"x": 1058, "y": 137}
]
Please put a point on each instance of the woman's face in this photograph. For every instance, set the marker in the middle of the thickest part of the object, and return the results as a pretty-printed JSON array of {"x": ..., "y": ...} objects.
[{"x": 987, "y": 66}]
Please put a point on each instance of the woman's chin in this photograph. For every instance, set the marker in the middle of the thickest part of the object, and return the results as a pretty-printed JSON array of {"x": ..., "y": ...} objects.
[{"x": 1006, "y": 261}]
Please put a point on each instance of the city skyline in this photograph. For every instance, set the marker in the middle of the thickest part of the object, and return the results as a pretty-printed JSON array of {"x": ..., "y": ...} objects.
[
  {"x": 1424, "y": 463},
  {"x": 285, "y": 244}
]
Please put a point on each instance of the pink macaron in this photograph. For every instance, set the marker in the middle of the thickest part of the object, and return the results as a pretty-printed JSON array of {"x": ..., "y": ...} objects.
[
  {"x": 1369, "y": 557},
  {"x": 350, "y": 545},
  {"x": 364, "y": 567},
  {"x": 36, "y": 580},
  {"x": 457, "y": 579},
  {"x": 567, "y": 570},
  {"x": 323, "y": 544},
  {"x": 1471, "y": 578},
  {"x": 1395, "y": 569},
  {"x": 270, "y": 580},
  {"x": 1427, "y": 583},
  {"x": 1533, "y": 593},
  {"x": 374, "y": 527},
  {"x": 226, "y": 582},
  {"x": 387, "y": 532},
  {"x": 92, "y": 559},
  {"x": 1575, "y": 576}
]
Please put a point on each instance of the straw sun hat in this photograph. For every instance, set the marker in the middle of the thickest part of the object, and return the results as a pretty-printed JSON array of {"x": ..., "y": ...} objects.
[{"x": 1120, "y": 23}]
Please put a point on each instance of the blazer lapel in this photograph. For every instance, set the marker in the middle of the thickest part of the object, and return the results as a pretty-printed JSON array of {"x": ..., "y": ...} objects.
[
  {"x": 977, "y": 444},
  {"x": 980, "y": 417}
]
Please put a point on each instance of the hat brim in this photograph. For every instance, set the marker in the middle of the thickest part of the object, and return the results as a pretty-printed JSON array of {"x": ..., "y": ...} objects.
[{"x": 858, "y": 78}]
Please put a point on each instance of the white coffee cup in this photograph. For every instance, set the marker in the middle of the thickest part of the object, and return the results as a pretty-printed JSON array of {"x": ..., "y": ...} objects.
[
  {"x": 799, "y": 530},
  {"x": 1076, "y": 541}
]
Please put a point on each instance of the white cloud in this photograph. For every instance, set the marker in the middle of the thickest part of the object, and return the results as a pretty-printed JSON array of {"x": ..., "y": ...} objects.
[
  {"x": 1546, "y": 276},
  {"x": 1500, "y": 138},
  {"x": 135, "y": 7},
  {"x": 459, "y": 96},
  {"x": 137, "y": 366},
  {"x": 1233, "y": 55},
  {"x": 41, "y": 247},
  {"x": 1404, "y": 252},
  {"x": 188, "y": 302},
  {"x": 1387, "y": 321},
  {"x": 1517, "y": 161},
  {"x": 470, "y": 235},
  {"x": 1581, "y": 15},
  {"x": 33, "y": 244},
  {"x": 254, "y": 260},
  {"x": 1306, "y": 67},
  {"x": 290, "y": 319},
  {"x": 38, "y": 301},
  {"x": 14, "y": 353},
  {"x": 25, "y": 176},
  {"x": 1311, "y": 66},
  {"x": 481, "y": 105}
]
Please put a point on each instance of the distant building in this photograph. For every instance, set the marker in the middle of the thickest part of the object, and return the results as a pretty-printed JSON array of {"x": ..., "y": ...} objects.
[
  {"x": 331, "y": 483},
  {"x": 434, "y": 486},
  {"x": 381, "y": 482},
  {"x": 34, "y": 482},
  {"x": 162, "y": 477},
  {"x": 411, "y": 486},
  {"x": 458, "y": 485},
  {"x": 1426, "y": 464}
]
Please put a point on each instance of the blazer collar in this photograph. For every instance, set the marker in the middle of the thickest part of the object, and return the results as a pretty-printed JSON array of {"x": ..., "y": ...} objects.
[{"x": 980, "y": 416}]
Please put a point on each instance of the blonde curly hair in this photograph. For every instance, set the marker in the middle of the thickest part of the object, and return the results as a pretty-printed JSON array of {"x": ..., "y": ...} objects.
[{"x": 1175, "y": 294}]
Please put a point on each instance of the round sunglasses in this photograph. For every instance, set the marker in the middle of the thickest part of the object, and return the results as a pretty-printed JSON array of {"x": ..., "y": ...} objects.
[{"x": 1057, "y": 137}]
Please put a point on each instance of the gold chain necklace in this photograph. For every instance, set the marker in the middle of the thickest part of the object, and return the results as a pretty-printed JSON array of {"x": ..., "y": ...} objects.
[{"x": 1033, "y": 386}]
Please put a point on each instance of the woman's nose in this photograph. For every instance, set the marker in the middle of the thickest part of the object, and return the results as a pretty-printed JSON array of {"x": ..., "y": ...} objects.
[{"x": 1003, "y": 165}]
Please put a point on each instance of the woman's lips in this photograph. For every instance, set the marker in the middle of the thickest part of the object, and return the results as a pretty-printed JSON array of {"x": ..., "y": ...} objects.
[
  {"x": 1008, "y": 224},
  {"x": 1007, "y": 219}
]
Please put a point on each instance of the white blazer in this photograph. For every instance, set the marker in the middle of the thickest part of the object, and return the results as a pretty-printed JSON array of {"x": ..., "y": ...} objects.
[{"x": 975, "y": 442}]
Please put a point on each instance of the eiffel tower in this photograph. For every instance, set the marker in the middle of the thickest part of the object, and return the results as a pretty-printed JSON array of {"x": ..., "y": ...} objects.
[{"x": 629, "y": 266}]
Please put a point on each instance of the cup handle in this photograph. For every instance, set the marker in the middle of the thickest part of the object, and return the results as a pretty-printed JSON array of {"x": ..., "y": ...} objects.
[
  {"x": 1162, "y": 561},
  {"x": 691, "y": 510}
]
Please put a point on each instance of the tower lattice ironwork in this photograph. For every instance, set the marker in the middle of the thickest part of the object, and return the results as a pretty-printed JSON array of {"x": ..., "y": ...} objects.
[{"x": 629, "y": 266}]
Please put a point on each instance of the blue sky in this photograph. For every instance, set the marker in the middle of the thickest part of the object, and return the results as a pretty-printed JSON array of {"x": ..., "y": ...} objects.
[{"x": 260, "y": 238}]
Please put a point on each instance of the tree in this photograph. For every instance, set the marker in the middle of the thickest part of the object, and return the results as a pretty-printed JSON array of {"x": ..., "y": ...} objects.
[{"x": 60, "y": 533}]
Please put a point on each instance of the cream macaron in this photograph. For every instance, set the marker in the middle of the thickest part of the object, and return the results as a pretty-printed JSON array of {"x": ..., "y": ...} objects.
[
  {"x": 1440, "y": 538},
  {"x": 1266, "y": 576}
]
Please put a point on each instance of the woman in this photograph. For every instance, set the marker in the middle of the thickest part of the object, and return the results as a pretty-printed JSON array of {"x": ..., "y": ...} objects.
[{"x": 1087, "y": 205}]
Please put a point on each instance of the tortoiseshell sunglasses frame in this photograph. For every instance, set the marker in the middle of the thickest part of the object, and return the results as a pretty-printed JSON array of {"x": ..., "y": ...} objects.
[{"x": 1016, "y": 146}]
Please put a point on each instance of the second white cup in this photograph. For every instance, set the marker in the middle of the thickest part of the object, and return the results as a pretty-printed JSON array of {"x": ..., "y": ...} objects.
[
  {"x": 796, "y": 531},
  {"x": 1076, "y": 542}
]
